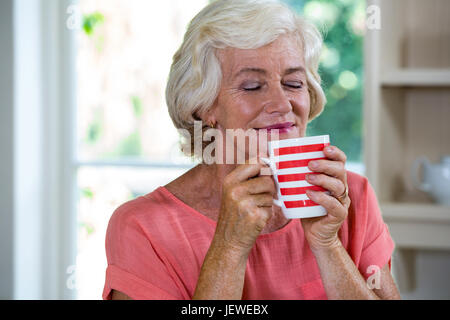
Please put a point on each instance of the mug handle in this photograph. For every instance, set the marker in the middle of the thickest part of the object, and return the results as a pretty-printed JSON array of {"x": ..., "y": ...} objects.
[
  {"x": 278, "y": 203},
  {"x": 414, "y": 170},
  {"x": 267, "y": 161}
]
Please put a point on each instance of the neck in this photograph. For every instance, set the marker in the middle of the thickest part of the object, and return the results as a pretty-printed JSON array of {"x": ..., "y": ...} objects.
[{"x": 213, "y": 176}]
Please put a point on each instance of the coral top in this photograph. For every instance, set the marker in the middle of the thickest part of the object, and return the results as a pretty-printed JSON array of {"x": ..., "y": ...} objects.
[{"x": 156, "y": 244}]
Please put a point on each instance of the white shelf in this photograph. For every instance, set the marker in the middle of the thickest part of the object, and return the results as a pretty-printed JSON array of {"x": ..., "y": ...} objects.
[
  {"x": 416, "y": 78},
  {"x": 418, "y": 226},
  {"x": 424, "y": 212}
]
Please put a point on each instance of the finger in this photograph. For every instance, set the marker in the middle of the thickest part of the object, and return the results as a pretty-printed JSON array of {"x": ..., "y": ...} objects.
[
  {"x": 244, "y": 172},
  {"x": 334, "y": 153},
  {"x": 262, "y": 200},
  {"x": 265, "y": 170},
  {"x": 335, "y": 186},
  {"x": 262, "y": 184},
  {"x": 332, "y": 168},
  {"x": 266, "y": 212},
  {"x": 249, "y": 209},
  {"x": 333, "y": 207}
]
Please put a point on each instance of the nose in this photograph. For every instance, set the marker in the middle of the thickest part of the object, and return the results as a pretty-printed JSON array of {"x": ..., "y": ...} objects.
[{"x": 277, "y": 101}]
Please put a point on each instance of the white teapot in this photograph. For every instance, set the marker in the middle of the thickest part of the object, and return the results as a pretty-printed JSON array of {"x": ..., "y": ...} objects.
[{"x": 436, "y": 178}]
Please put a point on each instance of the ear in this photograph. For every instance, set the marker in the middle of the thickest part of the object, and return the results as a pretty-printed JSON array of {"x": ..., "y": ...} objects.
[{"x": 209, "y": 117}]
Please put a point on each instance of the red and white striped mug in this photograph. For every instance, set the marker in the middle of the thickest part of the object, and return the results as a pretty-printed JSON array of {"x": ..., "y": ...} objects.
[{"x": 288, "y": 161}]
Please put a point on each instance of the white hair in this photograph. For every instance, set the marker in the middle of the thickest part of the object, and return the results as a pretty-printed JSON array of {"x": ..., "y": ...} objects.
[{"x": 195, "y": 76}]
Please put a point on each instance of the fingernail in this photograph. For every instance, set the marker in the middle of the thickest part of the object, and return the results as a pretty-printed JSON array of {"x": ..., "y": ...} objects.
[
  {"x": 329, "y": 150},
  {"x": 313, "y": 164},
  {"x": 311, "y": 193},
  {"x": 311, "y": 177}
]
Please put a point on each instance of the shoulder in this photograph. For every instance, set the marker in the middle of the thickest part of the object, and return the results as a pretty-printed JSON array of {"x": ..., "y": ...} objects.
[
  {"x": 357, "y": 183},
  {"x": 360, "y": 190},
  {"x": 134, "y": 213},
  {"x": 363, "y": 207},
  {"x": 134, "y": 224},
  {"x": 364, "y": 213},
  {"x": 364, "y": 222}
]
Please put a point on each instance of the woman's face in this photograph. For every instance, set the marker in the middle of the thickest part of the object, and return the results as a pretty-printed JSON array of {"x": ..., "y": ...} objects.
[{"x": 264, "y": 89}]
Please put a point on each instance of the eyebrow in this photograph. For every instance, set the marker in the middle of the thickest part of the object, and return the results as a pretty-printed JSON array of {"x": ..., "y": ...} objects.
[
  {"x": 294, "y": 70},
  {"x": 264, "y": 72}
]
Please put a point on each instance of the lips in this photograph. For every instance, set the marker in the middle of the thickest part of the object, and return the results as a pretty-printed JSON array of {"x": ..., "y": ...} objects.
[{"x": 279, "y": 126}]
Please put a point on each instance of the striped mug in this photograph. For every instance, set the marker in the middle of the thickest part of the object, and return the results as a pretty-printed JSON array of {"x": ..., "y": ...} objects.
[{"x": 288, "y": 160}]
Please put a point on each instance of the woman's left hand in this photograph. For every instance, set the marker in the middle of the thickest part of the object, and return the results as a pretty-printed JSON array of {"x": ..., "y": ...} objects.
[{"x": 322, "y": 232}]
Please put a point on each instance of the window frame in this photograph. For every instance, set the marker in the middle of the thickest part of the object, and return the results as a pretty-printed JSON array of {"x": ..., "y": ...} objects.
[
  {"x": 59, "y": 101},
  {"x": 71, "y": 163}
]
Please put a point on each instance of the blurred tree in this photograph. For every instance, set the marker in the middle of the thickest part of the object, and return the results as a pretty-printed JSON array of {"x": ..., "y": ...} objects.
[
  {"x": 91, "y": 21},
  {"x": 138, "y": 108},
  {"x": 127, "y": 148},
  {"x": 87, "y": 193},
  {"x": 342, "y": 24},
  {"x": 95, "y": 128}
]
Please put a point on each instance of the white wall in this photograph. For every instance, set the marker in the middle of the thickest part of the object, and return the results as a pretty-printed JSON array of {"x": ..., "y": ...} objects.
[
  {"x": 37, "y": 238},
  {"x": 28, "y": 141},
  {"x": 6, "y": 148},
  {"x": 21, "y": 146}
]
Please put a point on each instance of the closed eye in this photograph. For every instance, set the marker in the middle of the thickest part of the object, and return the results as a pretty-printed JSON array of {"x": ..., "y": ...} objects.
[
  {"x": 294, "y": 85},
  {"x": 252, "y": 87}
]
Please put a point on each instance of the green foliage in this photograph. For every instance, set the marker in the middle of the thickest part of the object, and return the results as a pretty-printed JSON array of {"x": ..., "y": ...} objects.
[
  {"x": 341, "y": 71},
  {"x": 87, "y": 193},
  {"x": 129, "y": 147},
  {"x": 91, "y": 21},
  {"x": 296, "y": 4},
  {"x": 90, "y": 229},
  {"x": 137, "y": 106},
  {"x": 95, "y": 129}
]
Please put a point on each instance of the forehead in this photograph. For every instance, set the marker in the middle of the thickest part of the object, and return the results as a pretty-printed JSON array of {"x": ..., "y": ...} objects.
[{"x": 282, "y": 54}]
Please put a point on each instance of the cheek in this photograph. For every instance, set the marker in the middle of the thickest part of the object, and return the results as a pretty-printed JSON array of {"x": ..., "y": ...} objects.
[
  {"x": 301, "y": 107},
  {"x": 237, "y": 112}
]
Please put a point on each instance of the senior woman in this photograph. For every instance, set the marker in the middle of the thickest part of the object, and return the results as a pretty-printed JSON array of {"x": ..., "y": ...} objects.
[{"x": 214, "y": 232}]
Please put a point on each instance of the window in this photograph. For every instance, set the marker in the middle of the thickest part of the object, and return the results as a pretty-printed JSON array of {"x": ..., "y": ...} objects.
[{"x": 125, "y": 50}]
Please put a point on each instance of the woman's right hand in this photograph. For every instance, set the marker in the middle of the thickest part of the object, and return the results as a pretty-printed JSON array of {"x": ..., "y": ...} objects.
[{"x": 246, "y": 207}]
